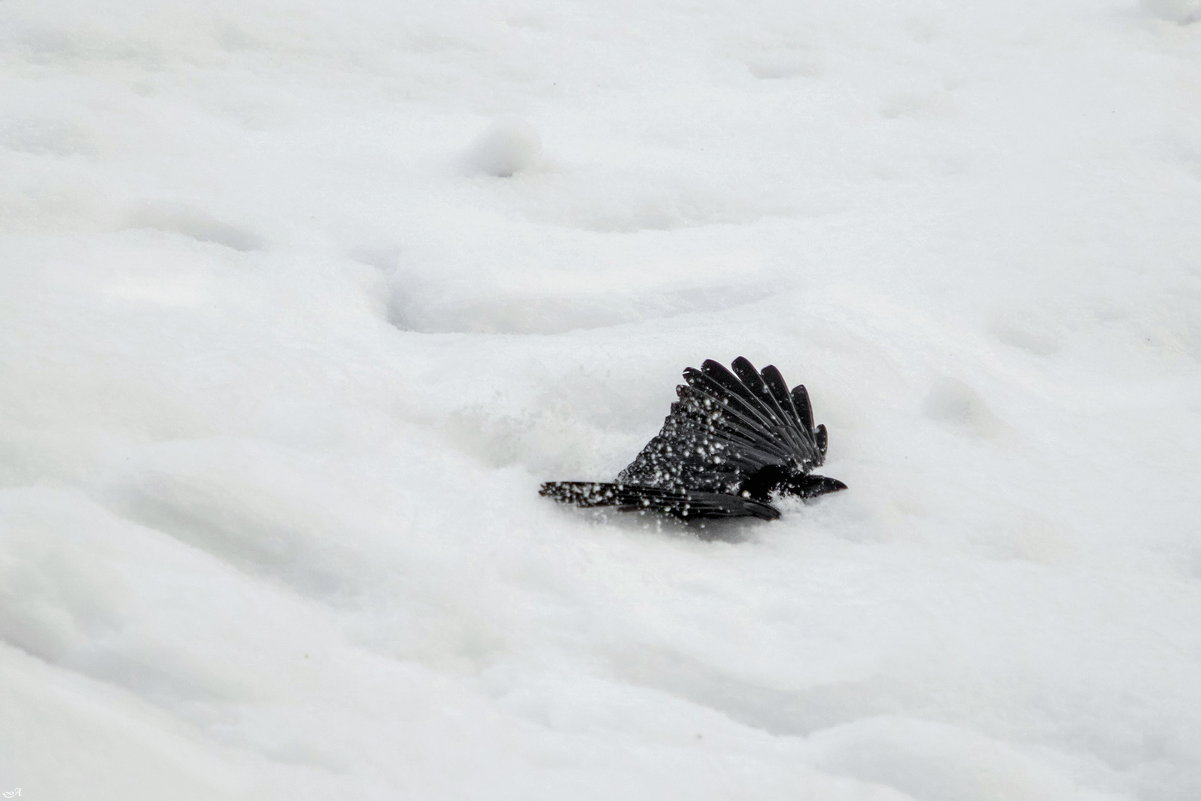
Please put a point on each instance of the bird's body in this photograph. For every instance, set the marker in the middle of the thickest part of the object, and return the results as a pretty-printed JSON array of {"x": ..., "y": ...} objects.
[{"x": 731, "y": 442}]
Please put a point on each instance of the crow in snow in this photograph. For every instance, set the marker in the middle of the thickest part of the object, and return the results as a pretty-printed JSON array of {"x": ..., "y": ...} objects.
[{"x": 731, "y": 442}]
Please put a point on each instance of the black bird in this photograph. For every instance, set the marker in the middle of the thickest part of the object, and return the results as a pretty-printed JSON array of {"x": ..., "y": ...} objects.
[{"x": 731, "y": 442}]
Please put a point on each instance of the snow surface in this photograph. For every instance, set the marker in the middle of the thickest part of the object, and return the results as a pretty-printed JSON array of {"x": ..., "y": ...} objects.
[{"x": 300, "y": 301}]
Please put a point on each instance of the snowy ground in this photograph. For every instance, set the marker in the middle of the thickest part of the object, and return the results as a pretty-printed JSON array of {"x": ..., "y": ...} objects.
[{"x": 300, "y": 301}]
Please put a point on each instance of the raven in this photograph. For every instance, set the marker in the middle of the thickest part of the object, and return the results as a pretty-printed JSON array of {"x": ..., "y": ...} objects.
[{"x": 731, "y": 442}]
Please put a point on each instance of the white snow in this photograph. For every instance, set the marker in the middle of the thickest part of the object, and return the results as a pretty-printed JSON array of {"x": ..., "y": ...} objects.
[
  {"x": 508, "y": 146},
  {"x": 1182, "y": 11},
  {"x": 299, "y": 302}
]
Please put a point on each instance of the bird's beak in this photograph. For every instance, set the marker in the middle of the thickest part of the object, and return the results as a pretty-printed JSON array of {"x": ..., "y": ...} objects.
[{"x": 812, "y": 486}]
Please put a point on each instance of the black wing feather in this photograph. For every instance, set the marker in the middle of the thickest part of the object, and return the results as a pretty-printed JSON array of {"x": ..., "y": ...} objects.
[
  {"x": 729, "y": 442},
  {"x": 737, "y": 389},
  {"x": 734, "y": 427},
  {"x": 800, "y": 434},
  {"x": 726, "y": 428},
  {"x": 684, "y": 504},
  {"x": 800, "y": 399},
  {"x": 734, "y": 414},
  {"x": 801, "y": 451}
]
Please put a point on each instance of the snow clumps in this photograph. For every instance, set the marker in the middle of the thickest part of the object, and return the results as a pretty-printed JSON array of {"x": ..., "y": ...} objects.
[
  {"x": 1182, "y": 11},
  {"x": 507, "y": 147}
]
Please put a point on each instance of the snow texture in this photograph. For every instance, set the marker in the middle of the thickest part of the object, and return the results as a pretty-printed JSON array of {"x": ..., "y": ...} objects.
[
  {"x": 1182, "y": 11},
  {"x": 506, "y": 148},
  {"x": 300, "y": 302}
]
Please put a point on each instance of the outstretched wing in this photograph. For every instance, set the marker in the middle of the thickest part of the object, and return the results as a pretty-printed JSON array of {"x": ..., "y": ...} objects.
[
  {"x": 726, "y": 428},
  {"x": 681, "y": 503}
]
